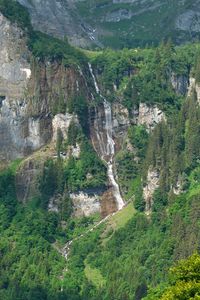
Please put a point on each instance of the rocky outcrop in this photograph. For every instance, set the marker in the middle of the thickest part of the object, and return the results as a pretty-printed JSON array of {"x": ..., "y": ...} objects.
[
  {"x": 118, "y": 15},
  {"x": 53, "y": 86},
  {"x": 20, "y": 133},
  {"x": 180, "y": 83},
  {"x": 178, "y": 187},
  {"x": 152, "y": 184},
  {"x": 194, "y": 87},
  {"x": 189, "y": 20},
  {"x": 85, "y": 204},
  {"x": 191, "y": 86},
  {"x": 121, "y": 123},
  {"x": 31, "y": 92},
  {"x": 149, "y": 116},
  {"x": 62, "y": 122}
]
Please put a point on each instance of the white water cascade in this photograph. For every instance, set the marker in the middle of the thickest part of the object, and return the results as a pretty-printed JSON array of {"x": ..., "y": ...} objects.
[{"x": 110, "y": 147}]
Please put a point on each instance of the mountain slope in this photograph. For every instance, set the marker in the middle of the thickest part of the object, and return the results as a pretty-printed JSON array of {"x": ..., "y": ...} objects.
[
  {"x": 117, "y": 24},
  {"x": 82, "y": 134}
]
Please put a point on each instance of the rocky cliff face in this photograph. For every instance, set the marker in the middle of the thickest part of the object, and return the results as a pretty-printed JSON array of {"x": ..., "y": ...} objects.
[
  {"x": 59, "y": 18},
  {"x": 33, "y": 94},
  {"x": 87, "y": 22},
  {"x": 30, "y": 93},
  {"x": 194, "y": 87},
  {"x": 18, "y": 132}
]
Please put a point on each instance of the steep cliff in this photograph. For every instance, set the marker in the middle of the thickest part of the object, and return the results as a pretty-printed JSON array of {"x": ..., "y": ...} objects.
[
  {"x": 31, "y": 92},
  {"x": 52, "y": 100}
]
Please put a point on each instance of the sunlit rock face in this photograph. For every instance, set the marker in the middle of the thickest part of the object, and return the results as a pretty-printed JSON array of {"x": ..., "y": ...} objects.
[
  {"x": 85, "y": 204},
  {"x": 149, "y": 116},
  {"x": 30, "y": 91},
  {"x": 62, "y": 122},
  {"x": 19, "y": 132},
  {"x": 194, "y": 87}
]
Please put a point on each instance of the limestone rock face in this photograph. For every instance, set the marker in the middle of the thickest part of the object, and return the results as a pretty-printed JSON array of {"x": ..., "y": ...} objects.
[
  {"x": 191, "y": 86},
  {"x": 152, "y": 184},
  {"x": 149, "y": 116},
  {"x": 178, "y": 188},
  {"x": 62, "y": 122},
  {"x": 121, "y": 122},
  {"x": 194, "y": 87},
  {"x": 31, "y": 91},
  {"x": 19, "y": 132},
  {"x": 85, "y": 204}
]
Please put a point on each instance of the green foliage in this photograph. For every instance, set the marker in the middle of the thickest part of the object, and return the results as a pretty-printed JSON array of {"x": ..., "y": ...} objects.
[
  {"x": 16, "y": 13},
  {"x": 79, "y": 106},
  {"x": 174, "y": 146},
  {"x": 139, "y": 138},
  {"x": 86, "y": 172},
  {"x": 142, "y": 251},
  {"x": 43, "y": 46},
  {"x": 59, "y": 140},
  {"x": 159, "y": 200},
  {"x": 139, "y": 203},
  {"x": 148, "y": 26},
  {"x": 74, "y": 134},
  {"x": 137, "y": 255},
  {"x": 184, "y": 281},
  {"x": 29, "y": 265},
  {"x": 46, "y": 47},
  {"x": 197, "y": 68},
  {"x": 49, "y": 181},
  {"x": 8, "y": 201},
  {"x": 127, "y": 170},
  {"x": 145, "y": 75}
]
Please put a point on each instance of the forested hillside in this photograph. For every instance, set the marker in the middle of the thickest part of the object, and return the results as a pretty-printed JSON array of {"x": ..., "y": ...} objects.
[{"x": 80, "y": 131}]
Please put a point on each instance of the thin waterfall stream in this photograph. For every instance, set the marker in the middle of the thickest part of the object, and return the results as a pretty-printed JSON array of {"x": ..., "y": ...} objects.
[
  {"x": 110, "y": 147},
  {"x": 108, "y": 152}
]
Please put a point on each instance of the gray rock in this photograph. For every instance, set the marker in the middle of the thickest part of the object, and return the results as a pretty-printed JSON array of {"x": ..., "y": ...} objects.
[
  {"x": 58, "y": 18},
  {"x": 189, "y": 21},
  {"x": 180, "y": 83}
]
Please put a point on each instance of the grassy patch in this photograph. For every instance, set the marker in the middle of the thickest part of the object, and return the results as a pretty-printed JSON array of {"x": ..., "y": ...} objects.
[
  {"x": 122, "y": 217},
  {"x": 94, "y": 276},
  {"x": 119, "y": 220}
]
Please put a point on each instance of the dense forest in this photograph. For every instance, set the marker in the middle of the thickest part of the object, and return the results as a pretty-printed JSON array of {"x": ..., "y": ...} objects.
[{"x": 134, "y": 254}]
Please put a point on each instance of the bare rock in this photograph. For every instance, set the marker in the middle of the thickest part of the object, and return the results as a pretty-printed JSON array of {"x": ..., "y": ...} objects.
[
  {"x": 62, "y": 122},
  {"x": 149, "y": 116},
  {"x": 152, "y": 184},
  {"x": 85, "y": 204}
]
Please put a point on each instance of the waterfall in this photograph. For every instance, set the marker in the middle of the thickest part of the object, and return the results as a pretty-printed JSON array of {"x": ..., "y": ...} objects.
[{"x": 109, "y": 150}]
